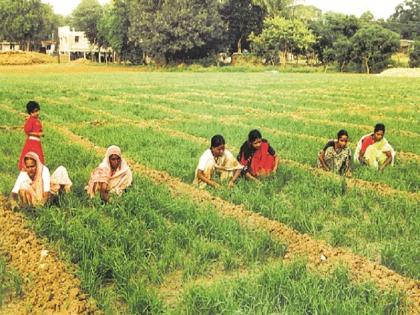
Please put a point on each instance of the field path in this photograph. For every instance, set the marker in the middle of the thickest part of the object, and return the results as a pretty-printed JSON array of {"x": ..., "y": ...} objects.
[
  {"x": 299, "y": 245},
  {"x": 50, "y": 287}
]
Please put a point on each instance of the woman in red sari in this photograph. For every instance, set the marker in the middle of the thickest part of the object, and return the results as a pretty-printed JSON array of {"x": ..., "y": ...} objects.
[
  {"x": 33, "y": 130},
  {"x": 258, "y": 157}
]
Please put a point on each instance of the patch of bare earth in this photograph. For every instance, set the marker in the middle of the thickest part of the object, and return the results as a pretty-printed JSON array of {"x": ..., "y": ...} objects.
[
  {"x": 401, "y": 72},
  {"x": 299, "y": 245},
  {"x": 50, "y": 286}
]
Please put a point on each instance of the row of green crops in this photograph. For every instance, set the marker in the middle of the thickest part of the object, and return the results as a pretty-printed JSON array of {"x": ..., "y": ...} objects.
[
  {"x": 182, "y": 237},
  {"x": 342, "y": 220},
  {"x": 10, "y": 282},
  {"x": 125, "y": 250},
  {"x": 370, "y": 224}
]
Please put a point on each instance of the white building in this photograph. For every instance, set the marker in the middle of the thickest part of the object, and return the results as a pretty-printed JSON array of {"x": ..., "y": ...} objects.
[
  {"x": 76, "y": 45},
  {"x": 73, "y": 42},
  {"x": 9, "y": 46}
]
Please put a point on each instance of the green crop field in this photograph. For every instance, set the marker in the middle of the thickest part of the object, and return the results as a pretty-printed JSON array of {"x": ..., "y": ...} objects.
[{"x": 156, "y": 251}]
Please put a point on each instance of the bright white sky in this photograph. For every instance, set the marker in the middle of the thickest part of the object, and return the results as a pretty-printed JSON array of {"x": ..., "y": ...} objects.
[{"x": 379, "y": 8}]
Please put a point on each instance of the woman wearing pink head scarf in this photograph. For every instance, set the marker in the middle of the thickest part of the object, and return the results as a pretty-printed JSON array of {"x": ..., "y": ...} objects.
[{"x": 113, "y": 175}]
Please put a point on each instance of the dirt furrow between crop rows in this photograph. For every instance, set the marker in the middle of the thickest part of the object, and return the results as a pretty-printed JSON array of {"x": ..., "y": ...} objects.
[{"x": 50, "y": 286}]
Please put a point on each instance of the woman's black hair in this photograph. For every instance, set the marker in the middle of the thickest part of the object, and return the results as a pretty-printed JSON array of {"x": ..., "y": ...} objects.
[
  {"x": 247, "y": 150},
  {"x": 217, "y": 141},
  {"x": 379, "y": 127},
  {"x": 341, "y": 133},
  {"x": 32, "y": 106},
  {"x": 254, "y": 135}
]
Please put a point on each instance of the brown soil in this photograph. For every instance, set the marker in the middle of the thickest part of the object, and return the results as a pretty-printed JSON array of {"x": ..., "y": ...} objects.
[
  {"x": 300, "y": 245},
  {"x": 50, "y": 286}
]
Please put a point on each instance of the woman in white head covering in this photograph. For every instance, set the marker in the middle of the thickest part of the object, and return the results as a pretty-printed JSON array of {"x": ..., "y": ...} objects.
[
  {"x": 113, "y": 175},
  {"x": 32, "y": 187}
]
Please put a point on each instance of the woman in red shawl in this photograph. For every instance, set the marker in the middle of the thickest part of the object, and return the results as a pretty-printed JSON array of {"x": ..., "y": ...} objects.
[
  {"x": 33, "y": 130},
  {"x": 258, "y": 157}
]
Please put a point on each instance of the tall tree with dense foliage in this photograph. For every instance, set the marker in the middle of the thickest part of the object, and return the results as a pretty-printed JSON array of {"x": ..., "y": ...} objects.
[
  {"x": 275, "y": 8},
  {"x": 333, "y": 31},
  {"x": 86, "y": 18},
  {"x": 282, "y": 36},
  {"x": 113, "y": 30},
  {"x": 241, "y": 17},
  {"x": 175, "y": 29},
  {"x": 26, "y": 21},
  {"x": 406, "y": 20},
  {"x": 372, "y": 47}
]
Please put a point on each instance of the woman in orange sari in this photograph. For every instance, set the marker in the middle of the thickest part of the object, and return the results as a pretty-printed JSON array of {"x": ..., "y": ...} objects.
[
  {"x": 257, "y": 156},
  {"x": 113, "y": 175}
]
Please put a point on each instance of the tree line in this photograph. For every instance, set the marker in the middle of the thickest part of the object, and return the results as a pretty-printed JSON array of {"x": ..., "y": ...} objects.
[{"x": 174, "y": 31}]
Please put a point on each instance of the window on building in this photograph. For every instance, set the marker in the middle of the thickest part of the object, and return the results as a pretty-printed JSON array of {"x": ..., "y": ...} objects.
[
  {"x": 48, "y": 47},
  {"x": 76, "y": 39},
  {"x": 12, "y": 46}
]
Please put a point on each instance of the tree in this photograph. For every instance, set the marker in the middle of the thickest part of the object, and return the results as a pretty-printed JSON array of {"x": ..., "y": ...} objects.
[
  {"x": 275, "y": 8},
  {"x": 26, "y": 21},
  {"x": 86, "y": 18},
  {"x": 241, "y": 18},
  {"x": 406, "y": 20},
  {"x": 333, "y": 28},
  {"x": 175, "y": 29},
  {"x": 282, "y": 36},
  {"x": 305, "y": 13},
  {"x": 367, "y": 18},
  {"x": 113, "y": 31},
  {"x": 415, "y": 56},
  {"x": 372, "y": 47}
]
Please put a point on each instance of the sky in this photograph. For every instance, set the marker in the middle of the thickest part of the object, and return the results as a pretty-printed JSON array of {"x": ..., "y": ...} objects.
[{"x": 379, "y": 8}]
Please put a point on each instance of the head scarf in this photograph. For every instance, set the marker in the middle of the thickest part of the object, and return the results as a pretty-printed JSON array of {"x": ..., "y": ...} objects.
[
  {"x": 60, "y": 178},
  {"x": 117, "y": 181},
  {"x": 36, "y": 187}
]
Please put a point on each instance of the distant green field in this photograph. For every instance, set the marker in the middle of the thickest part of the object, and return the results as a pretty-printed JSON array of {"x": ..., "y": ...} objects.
[{"x": 130, "y": 251}]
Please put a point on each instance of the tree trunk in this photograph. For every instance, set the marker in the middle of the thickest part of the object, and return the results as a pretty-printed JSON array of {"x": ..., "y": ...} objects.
[
  {"x": 283, "y": 56},
  {"x": 239, "y": 45},
  {"x": 366, "y": 59},
  {"x": 28, "y": 45}
]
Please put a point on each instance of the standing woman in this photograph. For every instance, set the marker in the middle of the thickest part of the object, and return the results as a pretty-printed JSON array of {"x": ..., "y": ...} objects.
[
  {"x": 336, "y": 155},
  {"x": 33, "y": 130},
  {"x": 257, "y": 156},
  {"x": 374, "y": 150}
]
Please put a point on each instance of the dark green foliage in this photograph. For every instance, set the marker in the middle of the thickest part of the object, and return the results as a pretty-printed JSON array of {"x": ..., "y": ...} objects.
[
  {"x": 372, "y": 47},
  {"x": 415, "y": 56},
  {"x": 168, "y": 29},
  {"x": 26, "y": 21}
]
